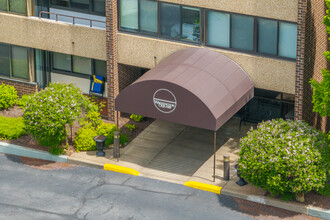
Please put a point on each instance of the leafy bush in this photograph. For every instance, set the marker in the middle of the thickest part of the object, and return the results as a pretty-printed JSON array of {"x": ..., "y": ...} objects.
[
  {"x": 131, "y": 127},
  {"x": 48, "y": 112},
  {"x": 107, "y": 129},
  {"x": 136, "y": 118},
  {"x": 92, "y": 118},
  {"x": 123, "y": 139},
  {"x": 56, "y": 150},
  {"x": 84, "y": 139},
  {"x": 326, "y": 190},
  {"x": 8, "y": 96},
  {"x": 285, "y": 157},
  {"x": 11, "y": 128},
  {"x": 23, "y": 100}
]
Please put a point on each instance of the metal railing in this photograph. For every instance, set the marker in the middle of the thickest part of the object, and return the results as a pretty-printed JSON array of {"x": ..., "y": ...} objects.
[{"x": 73, "y": 18}]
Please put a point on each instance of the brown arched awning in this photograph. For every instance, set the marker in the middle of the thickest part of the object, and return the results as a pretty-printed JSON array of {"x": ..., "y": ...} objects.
[{"x": 195, "y": 87}]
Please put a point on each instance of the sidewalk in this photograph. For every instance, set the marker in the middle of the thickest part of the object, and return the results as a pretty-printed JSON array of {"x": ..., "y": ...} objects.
[{"x": 176, "y": 153}]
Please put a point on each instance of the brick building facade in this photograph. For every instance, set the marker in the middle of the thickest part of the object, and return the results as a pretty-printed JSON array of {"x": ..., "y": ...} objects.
[
  {"x": 21, "y": 87},
  {"x": 312, "y": 42}
]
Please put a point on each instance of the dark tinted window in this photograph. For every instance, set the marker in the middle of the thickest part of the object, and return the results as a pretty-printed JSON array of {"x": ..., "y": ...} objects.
[
  {"x": 267, "y": 36},
  {"x": 242, "y": 29},
  {"x": 4, "y": 60},
  {"x": 170, "y": 20},
  {"x": 191, "y": 24}
]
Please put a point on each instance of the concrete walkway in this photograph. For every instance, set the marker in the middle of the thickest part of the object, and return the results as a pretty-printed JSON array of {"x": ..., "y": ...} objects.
[{"x": 176, "y": 153}]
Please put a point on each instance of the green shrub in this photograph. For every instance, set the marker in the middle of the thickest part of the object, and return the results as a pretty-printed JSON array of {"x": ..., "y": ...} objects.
[
  {"x": 107, "y": 129},
  {"x": 11, "y": 128},
  {"x": 8, "y": 96},
  {"x": 123, "y": 139},
  {"x": 285, "y": 157},
  {"x": 84, "y": 139},
  {"x": 92, "y": 118},
  {"x": 136, "y": 118},
  {"x": 56, "y": 150},
  {"x": 48, "y": 112},
  {"x": 326, "y": 190},
  {"x": 23, "y": 100},
  {"x": 131, "y": 127}
]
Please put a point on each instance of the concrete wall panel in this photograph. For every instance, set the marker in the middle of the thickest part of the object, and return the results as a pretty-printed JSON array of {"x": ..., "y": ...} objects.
[
  {"x": 52, "y": 36},
  {"x": 266, "y": 73}
]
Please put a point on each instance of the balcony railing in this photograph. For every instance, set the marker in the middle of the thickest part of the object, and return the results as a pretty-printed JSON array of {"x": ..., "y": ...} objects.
[{"x": 74, "y": 18}]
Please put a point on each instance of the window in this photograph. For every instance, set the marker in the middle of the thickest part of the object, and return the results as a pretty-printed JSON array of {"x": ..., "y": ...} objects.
[
  {"x": 62, "y": 61},
  {"x": 84, "y": 6},
  {"x": 218, "y": 31},
  {"x": 82, "y": 65},
  {"x": 81, "y": 4},
  {"x": 16, "y": 6},
  {"x": 100, "y": 68},
  {"x": 4, "y": 60},
  {"x": 274, "y": 38},
  {"x": 267, "y": 36},
  {"x": 242, "y": 29},
  {"x": 176, "y": 18},
  {"x": 14, "y": 61},
  {"x": 3, "y": 5},
  {"x": 19, "y": 60},
  {"x": 99, "y": 6},
  {"x": 148, "y": 16},
  {"x": 170, "y": 20},
  {"x": 225, "y": 30},
  {"x": 62, "y": 3},
  {"x": 191, "y": 24},
  {"x": 78, "y": 66},
  {"x": 287, "y": 40},
  {"x": 129, "y": 14},
  {"x": 267, "y": 105}
]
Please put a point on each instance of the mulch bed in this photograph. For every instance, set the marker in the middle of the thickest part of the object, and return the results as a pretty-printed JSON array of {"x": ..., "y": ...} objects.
[
  {"x": 28, "y": 141},
  {"x": 312, "y": 198}
]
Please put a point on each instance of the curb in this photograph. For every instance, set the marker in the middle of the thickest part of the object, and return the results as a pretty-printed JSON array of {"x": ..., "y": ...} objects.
[
  {"x": 121, "y": 169},
  {"x": 13, "y": 149},
  {"x": 204, "y": 186},
  {"x": 307, "y": 210},
  {"x": 268, "y": 201},
  {"x": 319, "y": 213},
  {"x": 78, "y": 162}
]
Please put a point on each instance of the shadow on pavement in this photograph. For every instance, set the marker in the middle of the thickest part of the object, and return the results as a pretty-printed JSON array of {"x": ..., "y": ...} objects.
[
  {"x": 259, "y": 210},
  {"x": 37, "y": 163}
]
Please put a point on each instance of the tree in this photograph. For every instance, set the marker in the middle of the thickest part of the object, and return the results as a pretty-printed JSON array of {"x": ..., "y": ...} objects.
[
  {"x": 321, "y": 94},
  {"x": 47, "y": 113}
]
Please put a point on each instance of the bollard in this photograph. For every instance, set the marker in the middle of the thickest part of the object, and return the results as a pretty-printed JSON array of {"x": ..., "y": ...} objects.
[
  {"x": 116, "y": 153},
  {"x": 226, "y": 166}
]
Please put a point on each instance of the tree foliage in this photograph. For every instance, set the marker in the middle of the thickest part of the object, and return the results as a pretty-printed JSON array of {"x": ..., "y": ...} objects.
[
  {"x": 321, "y": 95},
  {"x": 285, "y": 157},
  {"x": 47, "y": 113}
]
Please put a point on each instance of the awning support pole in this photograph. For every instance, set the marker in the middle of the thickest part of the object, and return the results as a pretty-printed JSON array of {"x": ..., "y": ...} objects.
[
  {"x": 118, "y": 137},
  {"x": 215, "y": 150},
  {"x": 117, "y": 121}
]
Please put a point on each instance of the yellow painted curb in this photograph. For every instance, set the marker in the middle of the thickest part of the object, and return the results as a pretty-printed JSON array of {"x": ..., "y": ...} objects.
[
  {"x": 204, "y": 186},
  {"x": 120, "y": 169}
]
